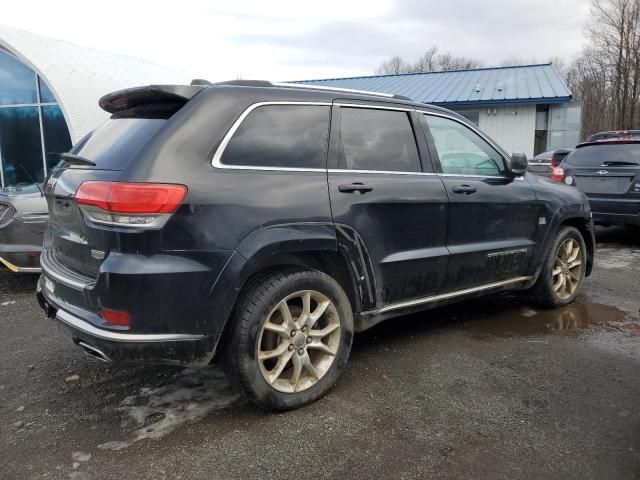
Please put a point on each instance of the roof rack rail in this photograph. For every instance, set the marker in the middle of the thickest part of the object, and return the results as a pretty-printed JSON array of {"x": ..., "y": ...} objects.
[
  {"x": 265, "y": 83},
  {"x": 338, "y": 89},
  {"x": 246, "y": 83}
]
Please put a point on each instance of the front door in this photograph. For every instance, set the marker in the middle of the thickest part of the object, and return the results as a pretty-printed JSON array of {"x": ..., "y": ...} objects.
[
  {"x": 381, "y": 194},
  {"x": 493, "y": 217}
]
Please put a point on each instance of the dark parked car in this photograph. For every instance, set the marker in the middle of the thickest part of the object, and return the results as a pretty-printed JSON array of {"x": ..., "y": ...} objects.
[
  {"x": 269, "y": 223},
  {"x": 614, "y": 134},
  {"x": 608, "y": 171},
  {"x": 544, "y": 163},
  {"x": 23, "y": 219}
]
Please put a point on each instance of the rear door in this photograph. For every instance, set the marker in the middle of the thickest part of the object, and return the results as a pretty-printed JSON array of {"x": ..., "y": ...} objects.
[
  {"x": 392, "y": 210},
  {"x": 493, "y": 218},
  {"x": 609, "y": 174}
]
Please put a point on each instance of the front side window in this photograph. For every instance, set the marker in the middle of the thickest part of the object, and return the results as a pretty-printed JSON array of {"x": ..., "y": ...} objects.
[
  {"x": 377, "y": 140},
  {"x": 462, "y": 151},
  {"x": 285, "y": 136}
]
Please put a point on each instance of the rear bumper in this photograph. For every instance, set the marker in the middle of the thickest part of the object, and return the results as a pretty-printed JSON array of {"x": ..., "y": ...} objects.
[
  {"x": 21, "y": 262},
  {"x": 615, "y": 219},
  {"x": 123, "y": 346},
  {"x": 20, "y": 246},
  {"x": 615, "y": 211}
]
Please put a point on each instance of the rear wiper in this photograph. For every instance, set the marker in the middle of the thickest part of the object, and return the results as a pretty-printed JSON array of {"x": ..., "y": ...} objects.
[
  {"x": 616, "y": 162},
  {"x": 77, "y": 159}
]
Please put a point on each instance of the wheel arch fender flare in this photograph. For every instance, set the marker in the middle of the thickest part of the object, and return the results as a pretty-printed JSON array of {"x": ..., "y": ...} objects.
[
  {"x": 574, "y": 215},
  {"x": 284, "y": 244}
]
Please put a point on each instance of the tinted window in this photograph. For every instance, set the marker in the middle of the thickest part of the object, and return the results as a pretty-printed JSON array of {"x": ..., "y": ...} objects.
[
  {"x": 462, "y": 151},
  {"x": 597, "y": 155},
  {"x": 114, "y": 143},
  {"x": 377, "y": 140},
  {"x": 294, "y": 136}
]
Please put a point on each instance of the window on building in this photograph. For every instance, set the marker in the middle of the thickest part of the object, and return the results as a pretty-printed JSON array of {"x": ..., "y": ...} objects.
[
  {"x": 377, "y": 140},
  {"x": 461, "y": 151},
  {"x": 28, "y": 113},
  {"x": 289, "y": 136}
]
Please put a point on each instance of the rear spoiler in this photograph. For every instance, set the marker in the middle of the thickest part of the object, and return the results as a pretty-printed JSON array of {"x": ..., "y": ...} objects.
[{"x": 151, "y": 94}]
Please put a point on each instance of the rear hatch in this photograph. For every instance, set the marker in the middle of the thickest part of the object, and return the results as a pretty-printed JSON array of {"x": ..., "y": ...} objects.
[
  {"x": 608, "y": 169},
  {"x": 74, "y": 247}
]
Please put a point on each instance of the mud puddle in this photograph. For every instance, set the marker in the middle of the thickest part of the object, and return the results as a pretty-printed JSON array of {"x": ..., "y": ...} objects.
[{"x": 580, "y": 317}]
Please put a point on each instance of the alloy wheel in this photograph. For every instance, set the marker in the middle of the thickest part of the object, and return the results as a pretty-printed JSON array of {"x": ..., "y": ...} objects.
[
  {"x": 567, "y": 269},
  {"x": 299, "y": 341}
]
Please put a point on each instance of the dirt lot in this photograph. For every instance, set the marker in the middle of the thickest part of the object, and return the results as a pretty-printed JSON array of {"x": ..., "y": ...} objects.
[{"x": 491, "y": 388}]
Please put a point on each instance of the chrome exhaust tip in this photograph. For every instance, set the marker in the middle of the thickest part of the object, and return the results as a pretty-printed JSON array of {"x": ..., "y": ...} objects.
[{"x": 94, "y": 352}]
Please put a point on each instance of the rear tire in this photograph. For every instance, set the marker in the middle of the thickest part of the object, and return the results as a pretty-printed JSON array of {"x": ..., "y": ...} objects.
[
  {"x": 563, "y": 271},
  {"x": 289, "y": 338}
]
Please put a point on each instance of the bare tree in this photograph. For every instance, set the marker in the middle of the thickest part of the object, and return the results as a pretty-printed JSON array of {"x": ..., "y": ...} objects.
[
  {"x": 610, "y": 65},
  {"x": 430, "y": 61}
]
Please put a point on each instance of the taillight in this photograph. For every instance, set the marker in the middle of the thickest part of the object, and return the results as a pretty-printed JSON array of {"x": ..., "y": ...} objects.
[
  {"x": 554, "y": 160},
  {"x": 557, "y": 174},
  {"x": 116, "y": 318},
  {"x": 140, "y": 205}
]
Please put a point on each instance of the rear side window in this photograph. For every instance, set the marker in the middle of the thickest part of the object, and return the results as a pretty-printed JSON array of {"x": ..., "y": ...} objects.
[
  {"x": 377, "y": 140},
  {"x": 605, "y": 155},
  {"x": 113, "y": 144},
  {"x": 289, "y": 136}
]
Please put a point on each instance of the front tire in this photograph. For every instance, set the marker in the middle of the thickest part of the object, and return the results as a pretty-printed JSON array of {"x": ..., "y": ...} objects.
[
  {"x": 563, "y": 271},
  {"x": 290, "y": 338}
]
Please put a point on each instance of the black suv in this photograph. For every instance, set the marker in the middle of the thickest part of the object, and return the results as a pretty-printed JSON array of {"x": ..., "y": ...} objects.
[
  {"x": 268, "y": 223},
  {"x": 608, "y": 171}
]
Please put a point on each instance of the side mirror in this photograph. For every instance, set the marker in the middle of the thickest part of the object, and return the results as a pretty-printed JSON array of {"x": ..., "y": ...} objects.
[{"x": 518, "y": 165}]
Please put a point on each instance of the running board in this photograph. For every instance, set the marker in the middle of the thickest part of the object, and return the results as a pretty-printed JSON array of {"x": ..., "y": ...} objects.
[{"x": 446, "y": 296}]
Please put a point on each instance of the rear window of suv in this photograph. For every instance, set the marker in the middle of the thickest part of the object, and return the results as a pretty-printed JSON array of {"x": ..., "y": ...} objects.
[
  {"x": 113, "y": 144},
  {"x": 605, "y": 155},
  {"x": 281, "y": 136}
]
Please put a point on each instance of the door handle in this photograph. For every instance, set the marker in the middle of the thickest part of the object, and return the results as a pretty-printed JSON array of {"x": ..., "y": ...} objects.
[
  {"x": 354, "y": 187},
  {"x": 464, "y": 189}
]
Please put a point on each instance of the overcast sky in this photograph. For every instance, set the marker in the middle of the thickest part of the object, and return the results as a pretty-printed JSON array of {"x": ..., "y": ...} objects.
[{"x": 290, "y": 40}]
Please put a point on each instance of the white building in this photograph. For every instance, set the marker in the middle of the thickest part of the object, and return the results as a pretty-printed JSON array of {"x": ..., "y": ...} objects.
[{"x": 49, "y": 91}]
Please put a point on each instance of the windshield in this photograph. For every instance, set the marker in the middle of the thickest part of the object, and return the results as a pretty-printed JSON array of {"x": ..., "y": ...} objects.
[{"x": 606, "y": 155}]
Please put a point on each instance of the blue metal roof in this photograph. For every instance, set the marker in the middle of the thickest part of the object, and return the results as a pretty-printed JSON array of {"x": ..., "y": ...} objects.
[{"x": 458, "y": 88}]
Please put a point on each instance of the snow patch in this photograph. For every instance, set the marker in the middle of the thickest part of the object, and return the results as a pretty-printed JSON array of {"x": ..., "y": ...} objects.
[{"x": 189, "y": 396}]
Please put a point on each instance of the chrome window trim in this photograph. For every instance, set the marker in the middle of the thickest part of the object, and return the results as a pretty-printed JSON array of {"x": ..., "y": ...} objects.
[
  {"x": 386, "y": 172},
  {"x": 448, "y": 295},
  {"x": 85, "y": 327},
  {"x": 216, "y": 161}
]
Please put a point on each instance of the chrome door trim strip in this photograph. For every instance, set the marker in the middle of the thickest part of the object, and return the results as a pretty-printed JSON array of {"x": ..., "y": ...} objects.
[
  {"x": 388, "y": 172},
  {"x": 216, "y": 160},
  {"x": 446, "y": 296},
  {"x": 86, "y": 327}
]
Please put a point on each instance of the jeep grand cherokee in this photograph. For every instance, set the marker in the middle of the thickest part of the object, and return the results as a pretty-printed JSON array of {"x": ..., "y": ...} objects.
[{"x": 267, "y": 223}]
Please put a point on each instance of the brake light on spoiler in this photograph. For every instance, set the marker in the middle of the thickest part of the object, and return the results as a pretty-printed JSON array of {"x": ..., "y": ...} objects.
[{"x": 133, "y": 205}]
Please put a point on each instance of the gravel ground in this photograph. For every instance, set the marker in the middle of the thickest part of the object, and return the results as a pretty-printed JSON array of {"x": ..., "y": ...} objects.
[{"x": 491, "y": 388}]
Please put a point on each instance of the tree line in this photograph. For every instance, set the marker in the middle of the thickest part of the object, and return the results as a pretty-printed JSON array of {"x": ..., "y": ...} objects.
[{"x": 604, "y": 77}]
